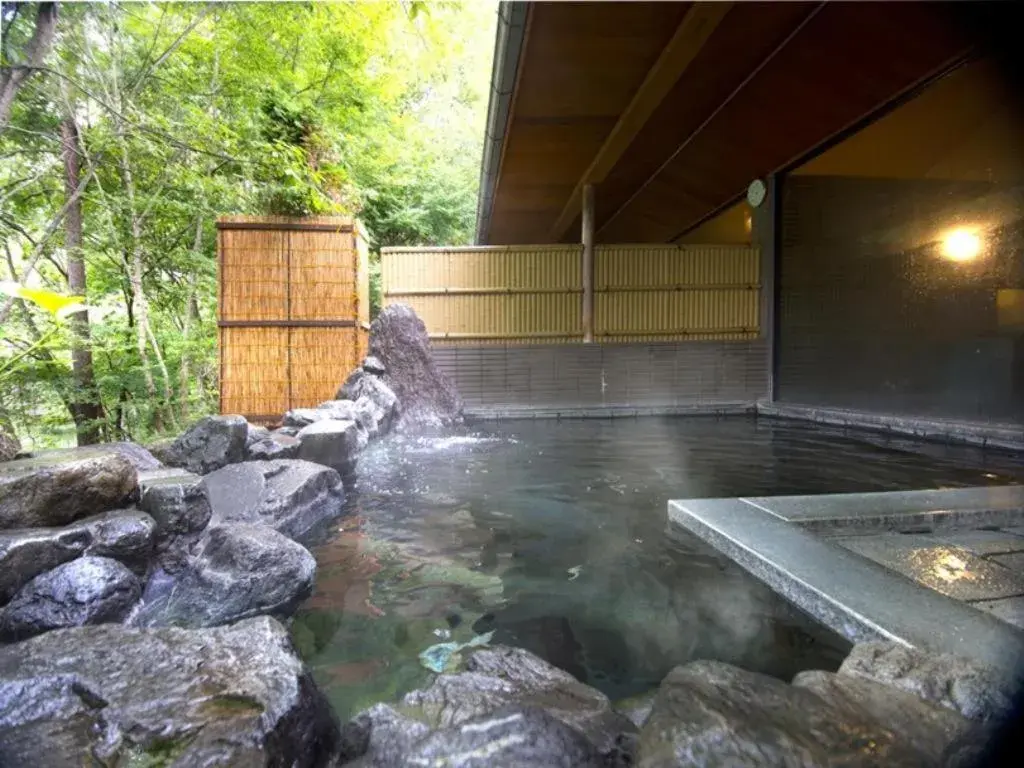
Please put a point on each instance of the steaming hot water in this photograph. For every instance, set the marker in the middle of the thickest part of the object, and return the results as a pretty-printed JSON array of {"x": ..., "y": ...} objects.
[{"x": 554, "y": 536}]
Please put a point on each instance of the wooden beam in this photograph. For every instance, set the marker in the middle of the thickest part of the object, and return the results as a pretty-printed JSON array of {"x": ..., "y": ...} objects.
[
  {"x": 587, "y": 264},
  {"x": 693, "y": 31}
]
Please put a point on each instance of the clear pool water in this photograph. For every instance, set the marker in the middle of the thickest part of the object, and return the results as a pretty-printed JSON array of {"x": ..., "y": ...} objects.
[{"x": 554, "y": 535}]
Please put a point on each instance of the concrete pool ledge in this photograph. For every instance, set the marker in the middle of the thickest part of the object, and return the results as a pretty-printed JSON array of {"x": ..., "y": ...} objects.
[
  {"x": 512, "y": 413},
  {"x": 855, "y": 597}
]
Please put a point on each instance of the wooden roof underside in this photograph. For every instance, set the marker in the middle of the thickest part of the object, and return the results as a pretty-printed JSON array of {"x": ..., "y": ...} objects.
[{"x": 671, "y": 109}]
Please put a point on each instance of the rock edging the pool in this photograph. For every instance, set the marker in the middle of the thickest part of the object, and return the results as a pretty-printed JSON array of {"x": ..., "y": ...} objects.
[{"x": 209, "y": 528}]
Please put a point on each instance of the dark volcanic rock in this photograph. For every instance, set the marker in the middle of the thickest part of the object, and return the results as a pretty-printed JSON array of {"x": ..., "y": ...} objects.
[
  {"x": 713, "y": 714},
  {"x": 925, "y": 727},
  {"x": 380, "y": 736},
  {"x": 276, "y": 445},
  {"x": 372, "y": 365},
  {"x": 177, "y": 502},
  {"x": 972, "y": 689},
  {"x": 239, "y": 571},
  {"x": 89, "y": 590},
  {"x": 399, "y": 341},
  {"x": 290, "y": 496},
  {"x": 111, "y": 695},
  {"x": 210, "y": 444},
  {"x": 124, "y": 535},
  {"x": 332, "y": 443},
  {"x": 303, "y": 417},
  {"x": 54, "y": 491},
  {"x": 339, "y": 409},
  {"x": 500, "y": 676},
  {"x": 374, "y": 396},
  {"x": 254, "y": 433}
]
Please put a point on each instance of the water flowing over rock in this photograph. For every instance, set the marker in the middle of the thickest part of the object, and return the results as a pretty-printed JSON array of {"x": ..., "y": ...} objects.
[
  {"x": 112, "y": 695},
  {"x": 499, "y": 676},
  {"x": 399, "y": 342},
  {"x": 332, "y": 443},
  {"x": 289, "y": 495},
  {"x": 239, "y": 571},
  {"x": 968, "y": 687},
  {"x": 210, "y": 444},
  {"x": 56, "y": 490},
  {"x": 89, "y": 590},
  {"x": 713, "y": 714},
  {"x": 124, "y": 535},
  {"x": 371, "y": 394},
  {"x": 340, "y": 410},
  {"x": 303, "y": 417}
]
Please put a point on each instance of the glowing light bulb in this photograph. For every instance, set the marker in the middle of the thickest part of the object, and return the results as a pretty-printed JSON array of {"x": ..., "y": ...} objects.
[{"x": 961, "y": 245}]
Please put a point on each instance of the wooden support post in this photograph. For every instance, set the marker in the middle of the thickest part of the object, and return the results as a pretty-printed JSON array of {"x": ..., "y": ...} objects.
[{"x": 588, "y": 264}]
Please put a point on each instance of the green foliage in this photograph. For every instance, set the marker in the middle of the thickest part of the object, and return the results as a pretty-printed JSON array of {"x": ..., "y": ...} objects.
[{"x": 186, "y": 112}]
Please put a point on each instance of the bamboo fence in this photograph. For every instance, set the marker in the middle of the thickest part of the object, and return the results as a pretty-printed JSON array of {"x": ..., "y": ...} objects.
[
  {"x": 293, "y": 311},
  {"x": 532, "y": 294}
]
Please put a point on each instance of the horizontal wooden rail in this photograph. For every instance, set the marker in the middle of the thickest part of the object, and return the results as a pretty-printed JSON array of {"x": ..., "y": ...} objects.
[
  {"x": 510, "y": 291},
  {"x": 292, "y": 324}
]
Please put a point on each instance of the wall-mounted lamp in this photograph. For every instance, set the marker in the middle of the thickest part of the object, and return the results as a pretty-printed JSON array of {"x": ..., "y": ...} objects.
[{"x": 961, "y": 245}]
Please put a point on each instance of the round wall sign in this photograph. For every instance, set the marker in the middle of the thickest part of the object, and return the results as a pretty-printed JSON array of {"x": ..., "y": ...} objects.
[{"x": 756, "y": 193}]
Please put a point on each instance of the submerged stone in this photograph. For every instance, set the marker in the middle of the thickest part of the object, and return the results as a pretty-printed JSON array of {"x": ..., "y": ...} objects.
[
  {"x": 89, "y": 590},
  {"x": 55, "y": 490},
  {"x": 113, "y": 695},
  {"x": 289, "y": 495}
]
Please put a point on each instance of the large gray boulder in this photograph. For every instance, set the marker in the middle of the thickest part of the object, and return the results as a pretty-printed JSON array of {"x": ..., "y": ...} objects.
[
  {"x": 55, "y": 490},
  {"x": 974, "y": 690},
  {"x": 713, "y": 714},
  {"x": 111, "y": 695},
  {"x": 925, "y": 727},
  {"x": 291, "y": 496},
  {"x": 210, "y": 444},
  {"x": 239, "y": 571},
  {"x": 89, "y": 590},
  {"x": 399, "y": 342},
  {"x": 124, "y": 535},
  {"x": 512, "y": 737},
  {"x": 373, "y": 396},
  {"x": 333, "y": 443},
  {"x": 177, "y": 501},
  {"x": 499, "y": 676}
]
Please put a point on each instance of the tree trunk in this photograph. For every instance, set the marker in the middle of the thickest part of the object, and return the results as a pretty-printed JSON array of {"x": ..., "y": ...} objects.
[
  {"x": 12, "y": 78},
  {"x": 191, "y": 317},
  {"x": 84, "y": 399}
]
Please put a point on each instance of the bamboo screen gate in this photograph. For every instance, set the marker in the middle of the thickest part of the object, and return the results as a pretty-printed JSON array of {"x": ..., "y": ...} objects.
[
  {"x": 532, "y": 294},
  {"x": 293, "y": 311}
]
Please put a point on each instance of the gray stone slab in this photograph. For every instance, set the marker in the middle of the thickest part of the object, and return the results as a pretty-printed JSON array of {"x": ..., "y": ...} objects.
[
  {"x": 1008, "y": 609},
  {"x": 1002, "y": 436},
  {"x": 1014, "y": 562},
  {"x": 996, "y": 506},
  {"x": 939, "y": 566},
  {"x": 984, "y": 542},
  {"x": 857, "y": 598}
]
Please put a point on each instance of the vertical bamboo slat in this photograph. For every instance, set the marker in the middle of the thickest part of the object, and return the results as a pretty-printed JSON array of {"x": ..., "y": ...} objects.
[{"x": 293, "y": 311}]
